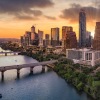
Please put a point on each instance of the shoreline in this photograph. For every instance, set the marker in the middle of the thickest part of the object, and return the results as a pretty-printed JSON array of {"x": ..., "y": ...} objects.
[{"x": 90, "y": 96}]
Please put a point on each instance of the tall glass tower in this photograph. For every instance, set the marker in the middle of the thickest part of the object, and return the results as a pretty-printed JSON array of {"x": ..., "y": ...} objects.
[
  {"x": 82, "y": 29},
  {"x": 55, "y": 36}
]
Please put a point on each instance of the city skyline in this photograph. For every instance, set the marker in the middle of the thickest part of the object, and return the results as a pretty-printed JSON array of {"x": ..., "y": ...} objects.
[{"x": 17, "y": 17}]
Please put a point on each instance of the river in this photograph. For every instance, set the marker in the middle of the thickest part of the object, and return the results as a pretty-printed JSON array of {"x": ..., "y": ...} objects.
[{"x": 39, "y": 86}]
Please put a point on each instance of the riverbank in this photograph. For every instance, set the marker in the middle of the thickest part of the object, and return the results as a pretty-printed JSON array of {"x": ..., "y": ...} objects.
[{"x": 79, "y": 79}]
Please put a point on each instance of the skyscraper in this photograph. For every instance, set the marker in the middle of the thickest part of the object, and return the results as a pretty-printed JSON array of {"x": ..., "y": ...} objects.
[
  {"x": 88, "y": 39},
  {"x": 96, "y": 41},
  {"x": 55, "y": 36},
  {"x": 46, "y": 36},
  {"x": 34, "y": 36},
  {"x": 65, "y": 30},
  {"x": 47, "y": 40},
  {"x": 40, "y": 34},
  {"x": 22, "y": 40},
  {"x": 82, "y": 29},
  {"x": 71, "y": 40},
  {"x": 32, "y": 33}
]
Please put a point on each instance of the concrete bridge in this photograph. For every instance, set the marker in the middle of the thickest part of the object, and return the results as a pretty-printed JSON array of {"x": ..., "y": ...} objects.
[
  {"x": 31, "y": 65},
  {"x": 10, "y": 52}
]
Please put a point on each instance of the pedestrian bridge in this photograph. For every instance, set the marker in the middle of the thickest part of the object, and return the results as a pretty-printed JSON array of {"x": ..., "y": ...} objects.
[
  {"x": 31, "y": 66},
  {"x": 10, "y": 52}
]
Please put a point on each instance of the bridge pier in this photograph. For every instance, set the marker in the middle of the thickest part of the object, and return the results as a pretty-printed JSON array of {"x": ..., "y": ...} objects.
[
  {"x": 2, "y": 75},
  {"x": 18, "y": 73},
  {"x": 31, "y": 70},
  {"x": 15, "y": 53},
  {"x": 5, "y": 54},
  {"x": 43, "y": 68}
]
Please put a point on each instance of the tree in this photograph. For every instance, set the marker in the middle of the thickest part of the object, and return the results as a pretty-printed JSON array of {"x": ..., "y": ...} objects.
[
  {"x": 80, "y": 86},
  {"x": 77, "y": 65}
]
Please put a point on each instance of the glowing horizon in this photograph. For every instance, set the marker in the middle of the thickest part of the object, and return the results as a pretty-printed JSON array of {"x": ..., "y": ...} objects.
[{"x": 15, "y": 20}]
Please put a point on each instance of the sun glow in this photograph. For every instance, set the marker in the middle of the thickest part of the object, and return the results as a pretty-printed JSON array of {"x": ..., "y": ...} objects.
[{"x": 92, "y": 33}]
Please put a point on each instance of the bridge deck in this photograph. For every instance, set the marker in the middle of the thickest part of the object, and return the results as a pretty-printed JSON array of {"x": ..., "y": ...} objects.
[
  {"x": 8, "y": 52},
  {"x": 26, "y": 65}
]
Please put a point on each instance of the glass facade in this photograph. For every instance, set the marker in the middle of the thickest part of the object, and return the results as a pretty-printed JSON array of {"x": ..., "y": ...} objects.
[{"x": 82, "y": 28}]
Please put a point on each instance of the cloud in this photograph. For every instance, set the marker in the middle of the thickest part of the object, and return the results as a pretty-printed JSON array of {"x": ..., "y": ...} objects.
[
  {"x": 24, "y": 8},
  {"x": 25, "y": 17},
  {"x": 72, "y": 14},
  {"x": 50, "y": 17}
]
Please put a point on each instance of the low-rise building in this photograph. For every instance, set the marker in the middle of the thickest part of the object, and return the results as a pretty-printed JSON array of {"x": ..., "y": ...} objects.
[{"x": 84, "y": 56}]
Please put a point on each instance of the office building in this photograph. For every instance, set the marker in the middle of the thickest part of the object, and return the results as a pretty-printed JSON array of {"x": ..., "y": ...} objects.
[
  {"x": 22, "y": 40},
  {"x": 88, "y": 39},
  {"x": 65, "y": 29},
  {"x": 34, "y": 37},
  {"x": 82, "y": 29},
  {"x": 69, "y": 39},
  {"x": 55, "y": 36},
  {"x": 32, "y": 33},
  {"x": 46, "y": 41},
  {"x": 96, "y": 41},
  {"x": 40, "y": 34},
  {"x": 84, "y": 56}
]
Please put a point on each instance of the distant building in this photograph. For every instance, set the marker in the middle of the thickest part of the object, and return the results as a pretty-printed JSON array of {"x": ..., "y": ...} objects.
[
  {"x": 36, "y": 40},
  {"x": 65, "y": 29},
  {"x": 84, "y": 56},
  {"x": 27, "y": 41},
  {"x": 69, "y": 39},
  {"x": 22, "y": 40},
  {"x": 28, "y": 37},
  {"x": 34, "y": 37},
  {"x": 40, "y": 34},
  {"x": 46, "y": 41},
  {"x": 82, "y": 29},
  {"x": 47, "y": 36},
  {"x": 32, "y": 33},
  {"x": 54, "y": 36},
  {"x": 88, "y": 39},
  {"x": 96, "y": 41}
]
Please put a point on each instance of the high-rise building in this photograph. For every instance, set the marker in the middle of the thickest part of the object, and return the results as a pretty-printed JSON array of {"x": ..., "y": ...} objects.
[
  {"x": 82, "y": 29},
  {"x": 27, "y": 38},
  {"x": 28, "y": 34},
  {"x": 71, "y": 40},
  {"x": 88, "y": 39},
  {"x": 96, "y": 41},
  {"x": 65, "y": 30},
  {"x": 32, "y": 33},
  {"x": 47, "y": 40},
  {"x": 40, "y": 34},
  {"x": 34, "y": 36},
  {"x": 22, "y": 40},
  {"x": 30, "y": 38},
  {"x": 55, "y": 36},
  {"x": 32, "y": 29}
]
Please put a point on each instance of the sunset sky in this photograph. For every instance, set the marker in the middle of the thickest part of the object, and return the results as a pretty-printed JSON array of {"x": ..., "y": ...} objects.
[{"x": 17, "y": 16}]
